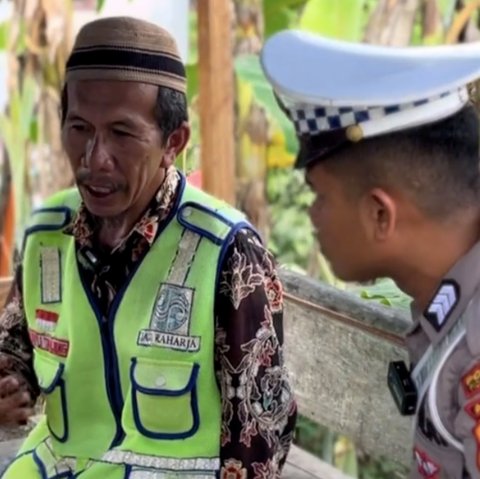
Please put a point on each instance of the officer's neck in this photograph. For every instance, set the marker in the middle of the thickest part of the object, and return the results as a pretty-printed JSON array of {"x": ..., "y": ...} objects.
[{"x": 433, "y": 254}]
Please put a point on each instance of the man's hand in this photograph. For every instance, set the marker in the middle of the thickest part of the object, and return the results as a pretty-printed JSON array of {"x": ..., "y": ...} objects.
[{"x": 15, "y": 400}]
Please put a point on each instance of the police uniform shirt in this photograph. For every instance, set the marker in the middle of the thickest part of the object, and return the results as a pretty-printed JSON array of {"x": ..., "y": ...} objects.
[{"x": 447, "y": 433}]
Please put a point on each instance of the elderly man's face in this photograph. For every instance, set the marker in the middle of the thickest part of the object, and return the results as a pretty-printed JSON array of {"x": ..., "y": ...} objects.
[{"x": 114, "y": 144}]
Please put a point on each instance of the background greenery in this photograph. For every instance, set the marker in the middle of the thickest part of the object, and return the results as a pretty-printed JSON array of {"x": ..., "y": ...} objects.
[{"x": 266, "y": 142}]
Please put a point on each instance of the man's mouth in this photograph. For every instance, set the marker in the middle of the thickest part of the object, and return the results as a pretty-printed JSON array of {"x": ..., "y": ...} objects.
[{"x": 99, "y": 191}]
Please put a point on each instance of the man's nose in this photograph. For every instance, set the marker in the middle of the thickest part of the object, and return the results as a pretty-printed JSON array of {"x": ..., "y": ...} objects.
[{"x": 97, "y": 155}]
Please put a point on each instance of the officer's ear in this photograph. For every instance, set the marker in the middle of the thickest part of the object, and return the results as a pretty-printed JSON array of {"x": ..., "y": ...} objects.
[{"x": 379, "y": 212}]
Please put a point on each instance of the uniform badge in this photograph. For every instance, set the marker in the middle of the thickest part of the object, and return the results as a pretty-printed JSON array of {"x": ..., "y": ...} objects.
[
  {"x": 46, "y": 320},
  {"x": 426, "y": 467},
  {"x": 170, "y": 321},
  {"x": 471, "y": 381},
  {"x": 473, "y": 410},
  {"x": 442, "y": 304},
  {"x": 50, "y": 277}
]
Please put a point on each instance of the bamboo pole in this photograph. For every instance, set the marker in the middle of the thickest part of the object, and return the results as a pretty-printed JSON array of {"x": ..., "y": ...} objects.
[
  {"x": 461, "y": 21},
  {"x": 216, "y": 98}
]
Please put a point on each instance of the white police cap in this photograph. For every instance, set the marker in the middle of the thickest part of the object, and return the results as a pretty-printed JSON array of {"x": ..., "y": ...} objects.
[{"x": 338, "y": 92}]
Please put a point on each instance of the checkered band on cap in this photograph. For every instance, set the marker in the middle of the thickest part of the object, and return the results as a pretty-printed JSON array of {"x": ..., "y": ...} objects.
[
  {"x": 311, "y": 119},
  {"x": 129, "y": 49}
]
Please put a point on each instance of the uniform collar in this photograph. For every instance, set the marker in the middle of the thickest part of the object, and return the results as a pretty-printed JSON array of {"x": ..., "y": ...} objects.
[{"x": 451, "y": 298}]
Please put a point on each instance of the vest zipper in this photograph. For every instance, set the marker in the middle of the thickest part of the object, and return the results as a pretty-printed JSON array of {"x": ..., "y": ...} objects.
[{"x": 105, "y": 326}]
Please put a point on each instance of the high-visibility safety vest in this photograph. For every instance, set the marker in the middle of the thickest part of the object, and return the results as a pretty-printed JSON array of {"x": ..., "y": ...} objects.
[{"x": 137, "y": 388}]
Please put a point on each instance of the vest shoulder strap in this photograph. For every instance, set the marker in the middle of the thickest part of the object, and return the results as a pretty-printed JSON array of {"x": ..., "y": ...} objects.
[
  {"x": 209, "y": 216},
  {"x": 56, "y": 212},
  {"x": 198, "y": 212}
]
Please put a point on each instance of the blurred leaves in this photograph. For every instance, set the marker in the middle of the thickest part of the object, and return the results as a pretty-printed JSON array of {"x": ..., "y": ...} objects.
[
  {"x": 346, "y": 456},
  {"x": 281, "y": 14},
  {"x": 342, "y": 20},
  {"x": 17, "y": 129},
  {"x": 192, "y": 81},
  {"x": 101, "y": 4},
  {"x": 291, "y": 238},
  {"x": 4, "y": 32},
  {"x": 386, "y": 292},
  {"x": 249, "y": 71}
]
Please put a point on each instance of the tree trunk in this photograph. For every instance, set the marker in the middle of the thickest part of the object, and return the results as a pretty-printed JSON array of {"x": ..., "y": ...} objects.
[
  {"x": 48, "y": 27},
  {"x": 431, "y": 20},
  {"x": 392, "y": 22},
  {"x": 38, "y": 45},
  {"x": 6, "y": 215},
  {"x": 252, "y": 127}
]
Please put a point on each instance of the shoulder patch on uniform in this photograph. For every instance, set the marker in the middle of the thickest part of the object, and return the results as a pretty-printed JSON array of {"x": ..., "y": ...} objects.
[
  {"x": 471, "y": 381},
  {"x": 427, "y": 468},
  {"x": 473, "y": 409},
  {"x": 442, "y": 304}
]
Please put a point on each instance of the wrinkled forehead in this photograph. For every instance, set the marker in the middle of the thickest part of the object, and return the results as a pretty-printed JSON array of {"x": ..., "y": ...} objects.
[{"x": 111, "y": 95}]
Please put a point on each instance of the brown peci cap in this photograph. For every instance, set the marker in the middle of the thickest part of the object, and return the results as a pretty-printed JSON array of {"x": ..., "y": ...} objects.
[{"x": 128, "y": 49}]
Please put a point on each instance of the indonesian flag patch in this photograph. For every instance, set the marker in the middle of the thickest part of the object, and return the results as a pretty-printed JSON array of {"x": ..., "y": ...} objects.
[{"x": 46, "y": 320}]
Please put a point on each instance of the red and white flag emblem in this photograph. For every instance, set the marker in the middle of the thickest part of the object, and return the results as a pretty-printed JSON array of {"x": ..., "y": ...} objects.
[{"x": 46, "y": 320}]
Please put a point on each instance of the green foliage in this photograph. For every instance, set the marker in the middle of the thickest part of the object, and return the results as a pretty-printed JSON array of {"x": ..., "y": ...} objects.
[
  {"x": 386, "y": 292},
  {"x": 370, "y": 468},
  {"x": 249, "y": 70},
  {"x": 192, "y": 81},
  {"x": 18, "y": 128},
  {"x": 4, "y": 32},
  {"x": 291, "y": 238},
  {"x": 100, "y": 4},
  {"x": 341, "y": 19},
  {"x": 281, "y": 14}
]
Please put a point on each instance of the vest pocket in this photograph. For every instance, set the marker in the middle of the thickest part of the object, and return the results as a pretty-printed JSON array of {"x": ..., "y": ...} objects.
[
  {"x": 50, "y": 379},
  {"x": 163, "y": 398}
]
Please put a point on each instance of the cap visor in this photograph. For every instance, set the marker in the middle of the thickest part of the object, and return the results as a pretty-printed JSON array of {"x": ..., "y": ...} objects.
[{"x": 315, "y": 148}]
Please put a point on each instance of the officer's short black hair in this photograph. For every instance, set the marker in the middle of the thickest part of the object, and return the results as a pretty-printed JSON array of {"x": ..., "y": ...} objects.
[
  {"x": 437, "y": 164},
  {"x": 171, "y": 109}
]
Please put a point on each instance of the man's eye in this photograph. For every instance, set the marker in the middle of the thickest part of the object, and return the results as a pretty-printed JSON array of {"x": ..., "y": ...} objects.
[
  {"x": 121, "y": 133},
  {"x": 78, "y": 127}
]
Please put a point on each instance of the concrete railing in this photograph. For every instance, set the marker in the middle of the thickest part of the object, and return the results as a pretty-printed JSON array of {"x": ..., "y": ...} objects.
[{"x": 337, "y": 348}]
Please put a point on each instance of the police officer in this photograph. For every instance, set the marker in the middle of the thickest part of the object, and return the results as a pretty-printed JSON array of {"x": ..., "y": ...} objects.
[{"x": 389, "y": 142}]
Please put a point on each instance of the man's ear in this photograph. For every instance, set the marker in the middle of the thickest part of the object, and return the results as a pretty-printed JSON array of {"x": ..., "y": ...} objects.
[
  {"x": 176, "y": 143},
  {"x": 379, "y": 214}
]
